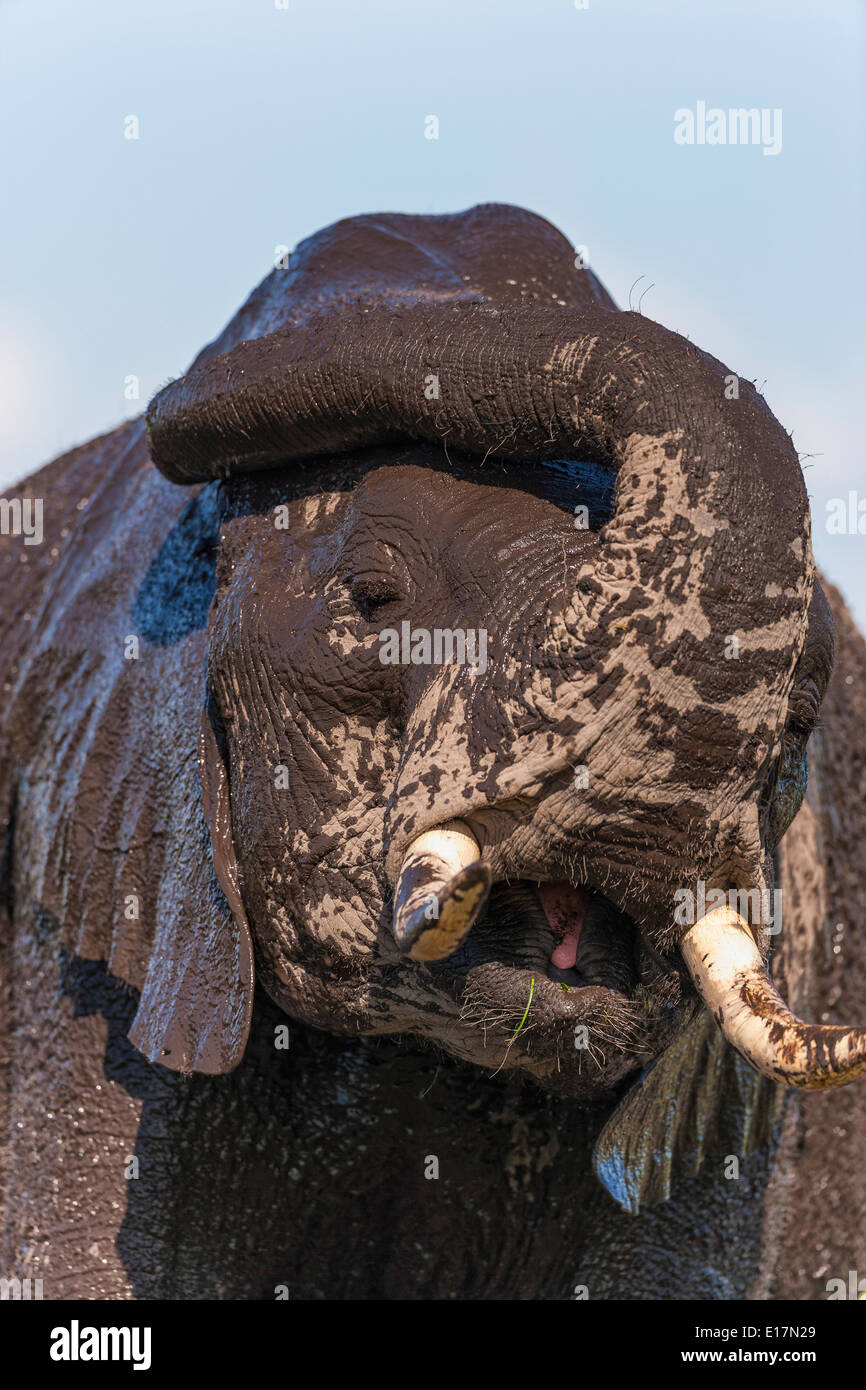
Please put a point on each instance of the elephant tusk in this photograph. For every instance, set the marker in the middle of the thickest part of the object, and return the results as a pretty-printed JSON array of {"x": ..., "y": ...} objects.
[
  {"x": 441, "y": 889},
  {"x": 728, "y": 972}
]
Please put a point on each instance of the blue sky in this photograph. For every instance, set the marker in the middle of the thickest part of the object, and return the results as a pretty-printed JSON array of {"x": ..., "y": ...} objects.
[{"x": 260, "y": 124}]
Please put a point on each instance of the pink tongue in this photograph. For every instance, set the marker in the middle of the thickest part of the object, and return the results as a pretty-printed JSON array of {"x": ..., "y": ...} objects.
[{"x": 565, "y": 909}]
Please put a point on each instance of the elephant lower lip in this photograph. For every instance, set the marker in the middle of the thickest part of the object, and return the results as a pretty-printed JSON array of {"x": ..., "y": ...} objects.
[{"x": 577, "y": 1039}]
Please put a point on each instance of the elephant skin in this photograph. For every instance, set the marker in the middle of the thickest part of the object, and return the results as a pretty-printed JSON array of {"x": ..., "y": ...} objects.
[{"x": 223, "y": 1077}]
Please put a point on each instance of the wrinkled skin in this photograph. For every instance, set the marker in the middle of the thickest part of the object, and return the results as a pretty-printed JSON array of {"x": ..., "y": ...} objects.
[
  {"x": 256, "y": 776},
  {"x": 609, "y": 647},
  {"x": 350, "y": 728},
  {"x": 300, "y": 685}
]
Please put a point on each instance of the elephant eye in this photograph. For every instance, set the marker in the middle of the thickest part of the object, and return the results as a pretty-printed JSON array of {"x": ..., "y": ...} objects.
[
  {"x": 369, "y": 595},
  {"x": 803, "y": 708}
]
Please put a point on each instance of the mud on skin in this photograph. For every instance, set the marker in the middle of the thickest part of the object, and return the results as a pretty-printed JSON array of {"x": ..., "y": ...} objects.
[{"x": 279, "y": 772}]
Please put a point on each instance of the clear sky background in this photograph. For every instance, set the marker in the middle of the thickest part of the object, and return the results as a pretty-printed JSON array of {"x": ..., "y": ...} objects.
[{"x": 260, "y": 124}]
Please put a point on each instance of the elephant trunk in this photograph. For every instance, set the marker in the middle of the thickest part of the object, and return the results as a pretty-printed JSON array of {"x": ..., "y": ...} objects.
[
  {"x": 711, "y": 511},
  {"x": 727, "y": 969}
]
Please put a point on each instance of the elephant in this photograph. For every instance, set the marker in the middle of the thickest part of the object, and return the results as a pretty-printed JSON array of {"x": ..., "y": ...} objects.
[{"x": 409, "y": 836}]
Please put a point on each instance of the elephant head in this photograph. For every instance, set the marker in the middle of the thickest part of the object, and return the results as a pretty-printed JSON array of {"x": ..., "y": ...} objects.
[{"x": 516, "y": 643}]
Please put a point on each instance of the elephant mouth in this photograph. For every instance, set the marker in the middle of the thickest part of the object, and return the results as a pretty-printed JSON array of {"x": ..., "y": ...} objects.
[
  {"x": 592, "y": 938},
  {"x": 564, "y": 954},
  {"x": 559, "y": 981},
  {"x": 571, "y": 938},
  {"x": 548, "y": 975}
]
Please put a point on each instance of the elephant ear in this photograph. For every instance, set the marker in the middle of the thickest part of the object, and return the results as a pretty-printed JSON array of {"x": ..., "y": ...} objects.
[
  {"x": 122, "y": 836},
  {"x": 196, "y": 1005},
  {"x": 699, "y": 1102}
]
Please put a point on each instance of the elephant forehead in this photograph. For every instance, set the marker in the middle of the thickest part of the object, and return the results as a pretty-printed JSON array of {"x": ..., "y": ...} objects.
[
  {"x": 447, "y": 514},
  {"x": 400, "y": 519}
]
